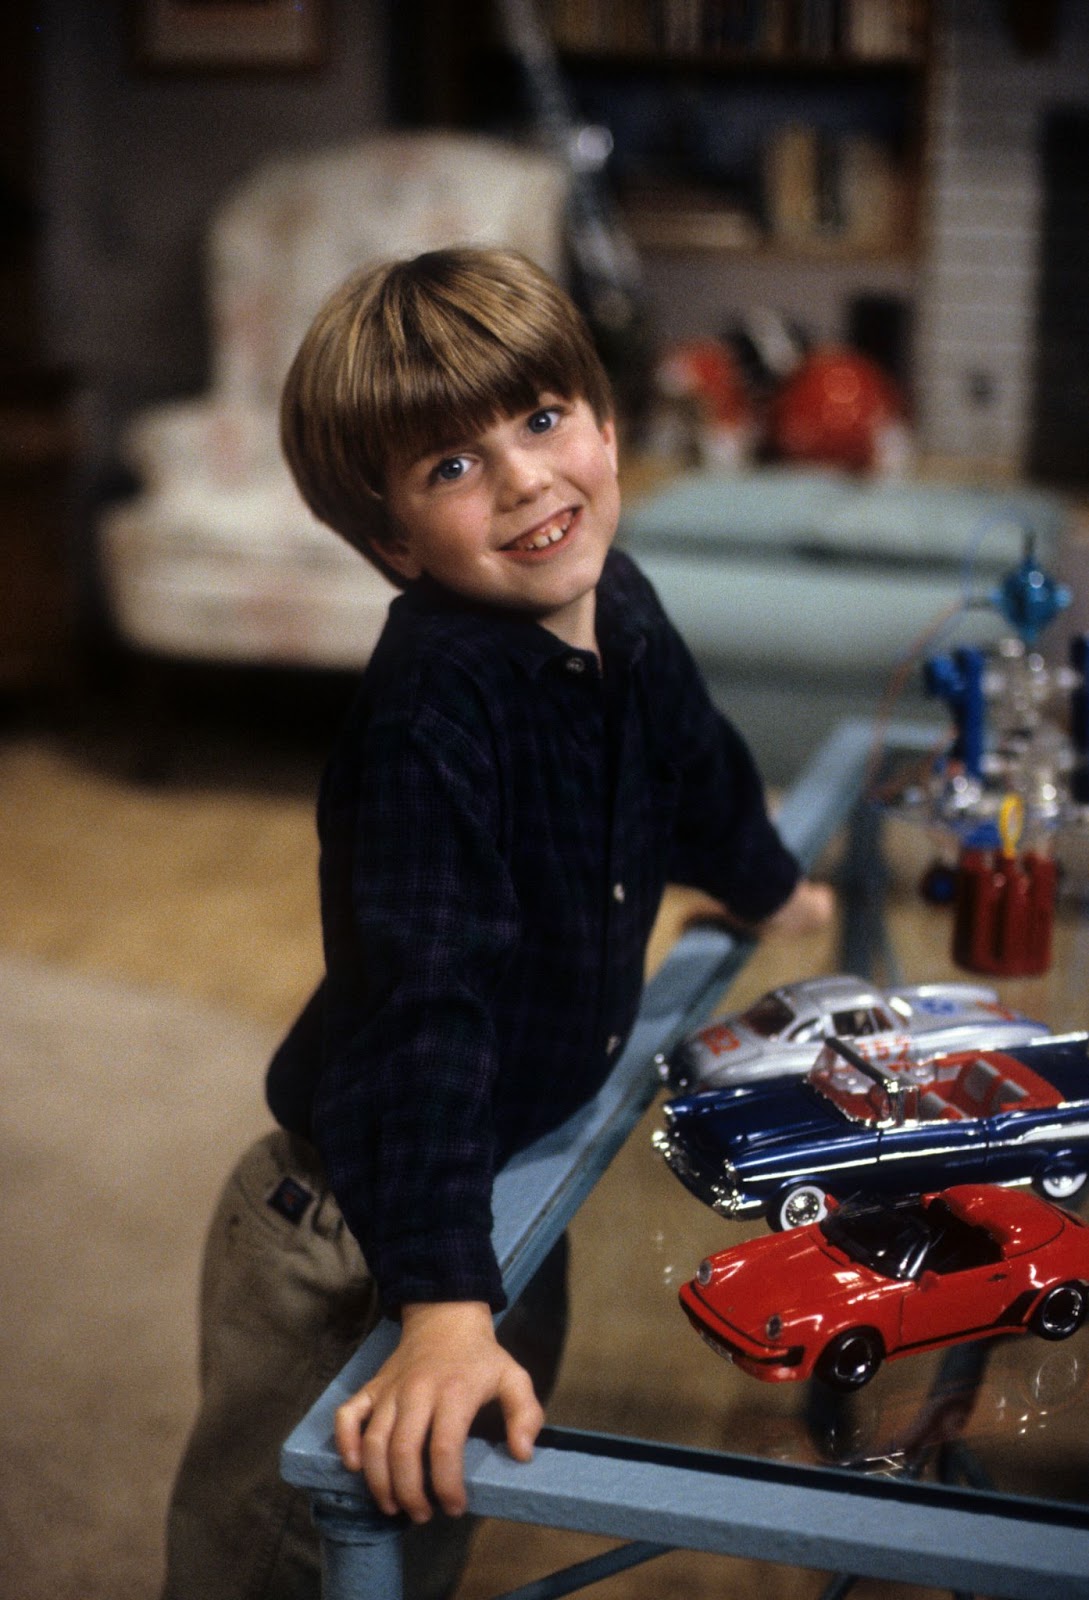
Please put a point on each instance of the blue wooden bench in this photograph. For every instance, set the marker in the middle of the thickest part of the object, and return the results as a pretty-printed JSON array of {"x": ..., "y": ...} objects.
[{"x": 661, "y": 1497}]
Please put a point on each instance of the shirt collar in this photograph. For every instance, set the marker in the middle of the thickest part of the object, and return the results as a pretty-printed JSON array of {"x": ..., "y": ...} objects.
[{"x": 621, "y": 635}]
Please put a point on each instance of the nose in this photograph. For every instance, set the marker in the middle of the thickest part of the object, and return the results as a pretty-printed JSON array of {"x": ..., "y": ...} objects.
[{"x": 523, "y": 474}]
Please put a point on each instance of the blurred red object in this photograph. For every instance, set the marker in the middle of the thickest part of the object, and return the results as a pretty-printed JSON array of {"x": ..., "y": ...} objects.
[
  {"x": 705, "y": 375},
  {"x": 1004, "y": 913},
  {"x": 838, "y": 408},
  {"x": 704, "y": 369},
  {"x": 1005, "y": 903}
]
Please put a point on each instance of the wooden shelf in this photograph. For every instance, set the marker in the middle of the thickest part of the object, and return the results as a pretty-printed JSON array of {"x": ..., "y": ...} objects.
[
  {"x": 733, "y": 63},
  {"x": 706, "y": 233}
]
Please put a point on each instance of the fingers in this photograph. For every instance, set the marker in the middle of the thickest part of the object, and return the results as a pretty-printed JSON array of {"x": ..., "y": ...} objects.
[
  {"x": 822, "y": 905},
  {"x": 416, "y": 1411},
  {"x": 448, "y": 1435},
  {"x": 351, "y": 1418},
  {"x": 387, "y": 1440},
  {"x": 523, "y": 1416},
  {"x": 393, "y": 1456},
  {"x": 522, "y": 1412}
]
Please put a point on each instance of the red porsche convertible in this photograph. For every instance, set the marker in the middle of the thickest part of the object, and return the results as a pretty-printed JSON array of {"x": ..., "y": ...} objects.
[{"x": 878, "y": 1279}]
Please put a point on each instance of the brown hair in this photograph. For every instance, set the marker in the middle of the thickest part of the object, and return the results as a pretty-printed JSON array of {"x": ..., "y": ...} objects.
[{"x": 408, "y": 356}]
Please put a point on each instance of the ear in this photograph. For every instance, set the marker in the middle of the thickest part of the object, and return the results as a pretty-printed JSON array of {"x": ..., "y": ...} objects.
[
  {"x": 609, "y": 440},
  {"x": 397, "y": 552}
]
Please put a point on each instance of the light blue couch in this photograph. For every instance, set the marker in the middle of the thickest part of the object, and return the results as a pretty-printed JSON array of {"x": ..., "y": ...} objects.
[{"x": 807, "y": 595}]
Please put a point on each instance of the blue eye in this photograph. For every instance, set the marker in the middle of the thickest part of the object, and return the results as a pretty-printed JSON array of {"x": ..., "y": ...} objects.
[
  {"x": 544, "y": 420},
  {"x": 450, "y": 470}
]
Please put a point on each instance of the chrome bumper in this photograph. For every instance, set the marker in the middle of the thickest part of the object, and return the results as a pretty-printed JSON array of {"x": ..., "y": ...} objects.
[{"x": 721, "y": 1194}]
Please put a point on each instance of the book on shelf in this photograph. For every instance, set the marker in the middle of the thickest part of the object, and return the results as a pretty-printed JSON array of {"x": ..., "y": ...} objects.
[
  {"x": 827, "y": 30},
  {"x": 826, "y": 190}
]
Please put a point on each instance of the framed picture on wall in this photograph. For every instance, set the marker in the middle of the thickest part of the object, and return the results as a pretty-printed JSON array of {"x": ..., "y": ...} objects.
[{"x": 231, "y": 35}]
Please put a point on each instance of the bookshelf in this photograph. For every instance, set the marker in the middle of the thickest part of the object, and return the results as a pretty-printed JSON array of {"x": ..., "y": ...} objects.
[
  {"x": 791, "y": 128},
  {"x": 745, "y": 30}
]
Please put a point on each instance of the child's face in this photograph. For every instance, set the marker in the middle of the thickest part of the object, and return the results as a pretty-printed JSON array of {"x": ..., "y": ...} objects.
[{"x": 521, "y": 516}]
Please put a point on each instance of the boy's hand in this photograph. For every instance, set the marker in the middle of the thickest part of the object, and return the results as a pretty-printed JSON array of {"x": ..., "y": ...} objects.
[
  {"x": 447, "y": 1365},
  {"x": 810, "y": 908}
]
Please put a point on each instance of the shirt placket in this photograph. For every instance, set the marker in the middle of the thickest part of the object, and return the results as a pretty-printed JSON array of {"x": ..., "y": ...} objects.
[
  {"x": 619, "y": 907},
  {"x": 596, "y": 724}
]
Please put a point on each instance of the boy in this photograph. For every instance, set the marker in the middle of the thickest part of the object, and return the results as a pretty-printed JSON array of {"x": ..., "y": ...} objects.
[{"x": 532, "y": 754}]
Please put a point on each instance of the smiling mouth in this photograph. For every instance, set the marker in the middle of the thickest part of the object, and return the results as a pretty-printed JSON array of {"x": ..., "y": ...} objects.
[{"x": 544, "y": 537}]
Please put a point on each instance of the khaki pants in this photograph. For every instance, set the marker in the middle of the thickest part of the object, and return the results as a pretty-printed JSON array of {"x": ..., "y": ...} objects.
[{"x": 286, "y": 1299}]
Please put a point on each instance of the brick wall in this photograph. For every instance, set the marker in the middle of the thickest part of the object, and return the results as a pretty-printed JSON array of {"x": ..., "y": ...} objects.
[{"x": 976, "y": 308}]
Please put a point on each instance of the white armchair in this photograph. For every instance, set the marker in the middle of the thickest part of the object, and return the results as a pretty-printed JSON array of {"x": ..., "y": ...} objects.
[{"x": 217, "y": 557}]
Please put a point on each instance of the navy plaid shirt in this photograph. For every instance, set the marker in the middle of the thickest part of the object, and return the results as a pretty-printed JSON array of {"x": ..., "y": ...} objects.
[{"x": 497, "y": 824}]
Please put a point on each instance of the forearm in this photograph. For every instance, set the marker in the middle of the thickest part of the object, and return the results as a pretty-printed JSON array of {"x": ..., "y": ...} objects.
[
  {"x": 409, "y": 1153},
  {"x": 403, "y": 1111}
]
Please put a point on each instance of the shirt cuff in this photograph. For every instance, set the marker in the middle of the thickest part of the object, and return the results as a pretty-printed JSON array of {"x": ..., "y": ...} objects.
[{"x": 451, "y": 1265}]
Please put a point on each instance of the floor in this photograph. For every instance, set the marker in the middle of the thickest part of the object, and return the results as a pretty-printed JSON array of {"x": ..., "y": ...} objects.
[{"x": 178, "y": 852}]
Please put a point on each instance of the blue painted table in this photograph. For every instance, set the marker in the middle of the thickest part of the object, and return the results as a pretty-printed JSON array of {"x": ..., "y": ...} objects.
[{"x": 660, "y": 1496}]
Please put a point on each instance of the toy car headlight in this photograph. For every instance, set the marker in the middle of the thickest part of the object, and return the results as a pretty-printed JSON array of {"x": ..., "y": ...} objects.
[
  {"x": 704, "y": 1273},
  {"x": 773, "y": 1327}
]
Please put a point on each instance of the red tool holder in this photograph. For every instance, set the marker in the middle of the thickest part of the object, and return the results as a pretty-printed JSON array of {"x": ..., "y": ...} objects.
[{"x": 1004, "y": 909}]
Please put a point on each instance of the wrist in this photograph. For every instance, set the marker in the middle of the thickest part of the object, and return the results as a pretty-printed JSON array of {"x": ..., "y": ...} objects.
[{"x": 417, "y": 1313}]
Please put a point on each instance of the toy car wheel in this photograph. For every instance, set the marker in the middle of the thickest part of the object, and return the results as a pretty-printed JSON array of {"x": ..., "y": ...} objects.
[
  {"x": 1061, "y": 1312},
  {"x": 1061, "y": 1183},
  {"x": 803, "y": 1203},
  {"x": 851, "y": 1359}
]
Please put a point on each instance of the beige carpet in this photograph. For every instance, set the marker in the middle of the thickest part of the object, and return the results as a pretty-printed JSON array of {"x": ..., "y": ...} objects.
[{"x": 120, "y": 1114}]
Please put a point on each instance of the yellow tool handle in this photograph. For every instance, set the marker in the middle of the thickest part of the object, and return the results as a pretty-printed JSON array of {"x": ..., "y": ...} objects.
[{"x": 1011, "y": 819}]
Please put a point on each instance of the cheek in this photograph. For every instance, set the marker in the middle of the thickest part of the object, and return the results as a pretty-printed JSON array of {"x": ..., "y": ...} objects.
[
  {"x": 589, "y": 466},
  {"x": 461, "y": 531},
  {"x": 604, "y": 482}
]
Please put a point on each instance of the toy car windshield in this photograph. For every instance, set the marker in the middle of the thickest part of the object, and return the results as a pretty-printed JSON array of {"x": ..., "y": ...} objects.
[
  {"x": 889, "y": 1240},
  {"x": 863, "y": 1090},
  {"x": 769, "y": 1017}
]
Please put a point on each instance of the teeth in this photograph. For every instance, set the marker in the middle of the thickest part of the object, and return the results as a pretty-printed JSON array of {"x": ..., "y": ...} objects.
[
  {"x": 546, "y": 536},
  {"x": 540, "y": 540}
]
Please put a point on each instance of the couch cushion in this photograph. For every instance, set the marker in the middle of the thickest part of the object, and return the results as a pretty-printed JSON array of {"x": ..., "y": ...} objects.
[{"x": 776, "y": 512}]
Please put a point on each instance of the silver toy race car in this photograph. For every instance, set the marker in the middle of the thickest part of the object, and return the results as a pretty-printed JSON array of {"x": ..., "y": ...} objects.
[{"x": 785, "y": 1029}]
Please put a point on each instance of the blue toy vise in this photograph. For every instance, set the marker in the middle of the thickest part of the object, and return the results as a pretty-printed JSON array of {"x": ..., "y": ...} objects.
[
  {"x": 1029, "y": 598},
  {"x": 958, "y": 680}
]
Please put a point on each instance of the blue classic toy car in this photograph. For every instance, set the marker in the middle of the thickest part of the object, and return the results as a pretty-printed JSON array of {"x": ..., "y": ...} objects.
[{"x": 851, "y": 1125}]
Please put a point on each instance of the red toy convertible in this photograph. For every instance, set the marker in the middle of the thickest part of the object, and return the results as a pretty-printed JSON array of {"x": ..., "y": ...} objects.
[{"x": 882, "y": 1278}]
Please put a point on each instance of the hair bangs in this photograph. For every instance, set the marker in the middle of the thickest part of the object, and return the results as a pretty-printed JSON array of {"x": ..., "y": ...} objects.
[{"x": 439, "y": 401}]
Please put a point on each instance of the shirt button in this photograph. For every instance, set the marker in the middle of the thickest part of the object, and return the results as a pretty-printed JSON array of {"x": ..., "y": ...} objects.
[
  {"x": 612, "y": 1044},
  {"x": 618, "y": 893},
  {"x": 575, "y": 664}
]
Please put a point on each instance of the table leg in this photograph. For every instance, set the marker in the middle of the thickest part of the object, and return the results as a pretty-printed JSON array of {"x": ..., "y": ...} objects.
[
  {"x": 863, "y": 876},
  {"x": 360, "y": 1548}
]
